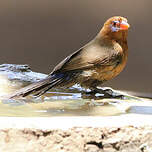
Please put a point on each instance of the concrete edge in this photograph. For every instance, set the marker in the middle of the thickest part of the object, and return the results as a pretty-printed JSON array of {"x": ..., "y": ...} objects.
[{"x": 64, "y": 123}]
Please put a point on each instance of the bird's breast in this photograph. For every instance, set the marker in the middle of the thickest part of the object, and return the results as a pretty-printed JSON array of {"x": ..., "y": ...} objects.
[
  {"x": 108, "y": 72},
  {"x": 105, "y": 72}
]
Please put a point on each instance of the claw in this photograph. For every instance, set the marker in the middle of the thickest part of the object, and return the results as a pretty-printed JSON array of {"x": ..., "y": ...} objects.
[{"x": 108, "y": 93}]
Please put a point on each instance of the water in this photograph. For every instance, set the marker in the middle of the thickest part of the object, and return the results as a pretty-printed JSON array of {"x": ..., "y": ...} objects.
[
  {"x": 71, "y": 104},
  {"x": 63, "y": 102}
]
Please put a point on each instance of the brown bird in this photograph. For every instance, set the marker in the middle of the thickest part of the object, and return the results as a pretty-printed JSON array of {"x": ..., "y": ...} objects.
[{"x": 100, "y": 60}]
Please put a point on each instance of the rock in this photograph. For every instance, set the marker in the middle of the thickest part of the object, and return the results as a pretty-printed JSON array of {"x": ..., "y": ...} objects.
[
  {"x": 13, "y": 77},
  {"x": 72, "y": 141}
]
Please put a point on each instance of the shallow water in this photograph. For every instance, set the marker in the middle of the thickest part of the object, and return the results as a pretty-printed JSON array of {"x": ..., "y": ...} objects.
[
  {"x": 62, "y": 102},
  {"x": 71, "y": 104}
]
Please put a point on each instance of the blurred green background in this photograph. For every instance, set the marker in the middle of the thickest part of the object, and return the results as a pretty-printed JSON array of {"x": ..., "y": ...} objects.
[{"x": 41, "y": 33}]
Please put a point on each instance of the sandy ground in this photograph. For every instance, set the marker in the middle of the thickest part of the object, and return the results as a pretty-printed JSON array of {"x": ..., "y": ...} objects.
[{"x": 109, "y": 139}]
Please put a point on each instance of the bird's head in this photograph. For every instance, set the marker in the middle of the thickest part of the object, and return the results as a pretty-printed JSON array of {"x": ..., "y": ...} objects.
[
  {"x": 116, "y": 27},
  {"x": 117, "y": 24}
]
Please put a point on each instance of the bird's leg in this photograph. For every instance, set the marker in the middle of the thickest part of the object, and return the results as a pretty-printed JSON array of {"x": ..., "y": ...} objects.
[
  {"x": 92, "y": 93},
  {"x": 108, "y": 93}
]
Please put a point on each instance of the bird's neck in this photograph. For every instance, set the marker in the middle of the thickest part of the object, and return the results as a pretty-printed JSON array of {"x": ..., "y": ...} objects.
[
  {"x": 110, "y": 39},
  {"x": 107, "y": 36}
]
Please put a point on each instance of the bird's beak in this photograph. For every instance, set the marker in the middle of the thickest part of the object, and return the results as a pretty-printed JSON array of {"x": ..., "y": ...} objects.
[{"x": 124, "y": 25}]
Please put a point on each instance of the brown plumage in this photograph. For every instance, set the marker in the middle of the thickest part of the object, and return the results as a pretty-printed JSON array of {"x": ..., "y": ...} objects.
[{"x": 98, "y": 61}]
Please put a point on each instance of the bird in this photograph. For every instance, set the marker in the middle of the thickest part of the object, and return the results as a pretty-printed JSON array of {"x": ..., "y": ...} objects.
[{"x": 100, "y": 60}]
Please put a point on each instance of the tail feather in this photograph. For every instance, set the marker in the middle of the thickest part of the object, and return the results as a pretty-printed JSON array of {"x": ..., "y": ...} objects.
[
  {"x": 38, "y": 88},
  {"x": 45, "y": 89}
]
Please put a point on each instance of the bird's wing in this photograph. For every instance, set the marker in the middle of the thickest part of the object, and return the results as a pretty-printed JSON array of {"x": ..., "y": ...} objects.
[
  {"x": 107, "y": 60},
  {"x": 63, "y": 64},
  {"x": 86, "y": 58}
]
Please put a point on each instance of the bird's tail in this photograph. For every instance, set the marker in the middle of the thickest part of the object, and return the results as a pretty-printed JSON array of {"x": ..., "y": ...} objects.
[{"x": 38, "y": 88}]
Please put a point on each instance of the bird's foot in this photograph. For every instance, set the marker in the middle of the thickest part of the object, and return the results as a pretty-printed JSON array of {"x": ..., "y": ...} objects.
[
  {"x": 108, "y": 93},
  {"x": 89, "y": 95}
]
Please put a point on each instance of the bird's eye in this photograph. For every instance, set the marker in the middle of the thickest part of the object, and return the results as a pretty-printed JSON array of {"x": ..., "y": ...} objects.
[
  {"x": 115, "y": 26},
  {"x": 114, "y": 23}
]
